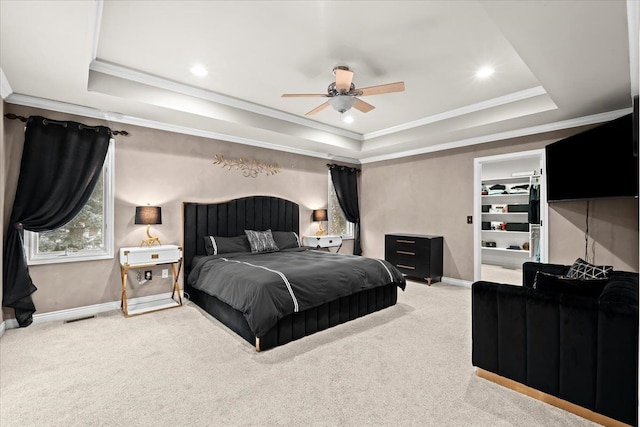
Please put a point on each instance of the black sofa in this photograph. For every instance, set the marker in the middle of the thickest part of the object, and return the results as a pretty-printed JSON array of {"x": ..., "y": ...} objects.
[{"x": 581, "y": 349}]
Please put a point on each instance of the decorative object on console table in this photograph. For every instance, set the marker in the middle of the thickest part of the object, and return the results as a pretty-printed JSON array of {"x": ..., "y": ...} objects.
[
  {"x": 415, "y": 255},
  {"x": 142, "y": 257},
  {"x": 323, "y": 242},
  {"x": 149, "y": 215},
  {"x": 320, "y": 215}
]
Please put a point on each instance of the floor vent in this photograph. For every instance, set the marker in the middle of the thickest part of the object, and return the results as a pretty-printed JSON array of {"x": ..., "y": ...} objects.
[{"x": 79, "y": 319}]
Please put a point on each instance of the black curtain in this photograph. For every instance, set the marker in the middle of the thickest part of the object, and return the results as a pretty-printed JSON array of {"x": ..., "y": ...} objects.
[
  {"x": 345, "y": 182},
  {"x": 61, "y": 163}
]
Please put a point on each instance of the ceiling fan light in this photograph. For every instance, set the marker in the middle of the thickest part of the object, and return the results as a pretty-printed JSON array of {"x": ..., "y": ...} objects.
[
  {"x": 347, "y": 118},
  {"x": 342, "y": 103}
]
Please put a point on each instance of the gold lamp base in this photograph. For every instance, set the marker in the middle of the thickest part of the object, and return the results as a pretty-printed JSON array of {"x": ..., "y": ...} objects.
[
  {"x": 150, "y": 240},
  {"x": 321, "y": 231}
]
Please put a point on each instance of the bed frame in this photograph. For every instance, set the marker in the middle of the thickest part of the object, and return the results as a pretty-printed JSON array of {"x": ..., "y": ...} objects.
[{"x": 230, "y": 219}]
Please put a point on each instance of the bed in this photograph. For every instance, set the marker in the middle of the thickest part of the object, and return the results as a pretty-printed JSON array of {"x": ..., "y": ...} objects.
[{"x": 311, "y": 290}]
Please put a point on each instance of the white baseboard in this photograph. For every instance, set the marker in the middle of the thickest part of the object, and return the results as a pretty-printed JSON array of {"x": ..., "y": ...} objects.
[
  {"x": 456, "y": 282},
  {"x": 86, "y": 311}
]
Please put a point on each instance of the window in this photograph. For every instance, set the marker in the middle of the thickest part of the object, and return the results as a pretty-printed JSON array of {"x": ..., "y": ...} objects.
[
  {"x": 338, "y": 224},
  {"x": 89, "y": 236}
]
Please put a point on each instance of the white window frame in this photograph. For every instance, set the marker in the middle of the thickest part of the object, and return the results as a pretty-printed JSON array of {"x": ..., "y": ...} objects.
[
  {"x": 108, "y": 179},
  {"x": 350, "y": 225}
]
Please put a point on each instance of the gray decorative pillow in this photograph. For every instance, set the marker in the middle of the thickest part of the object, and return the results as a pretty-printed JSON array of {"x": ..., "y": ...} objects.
[
  {"x": 286, "y": 239},
  {"x": 261, "y": 241},
  {"x": 583, "y": 270},
  {"x": 215, "y": 245}
]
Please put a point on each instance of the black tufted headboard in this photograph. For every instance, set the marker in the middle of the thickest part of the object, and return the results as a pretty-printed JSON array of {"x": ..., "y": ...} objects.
[{"x": 228, "y": 219}]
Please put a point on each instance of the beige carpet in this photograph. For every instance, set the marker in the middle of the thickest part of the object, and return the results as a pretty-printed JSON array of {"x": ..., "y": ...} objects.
[{"x": 409, "y": 365}]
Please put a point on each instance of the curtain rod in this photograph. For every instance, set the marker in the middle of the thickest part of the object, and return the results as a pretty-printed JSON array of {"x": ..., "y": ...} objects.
[
  {"x": 23, "y": 119},
  {"x": 333, "y": 165}
]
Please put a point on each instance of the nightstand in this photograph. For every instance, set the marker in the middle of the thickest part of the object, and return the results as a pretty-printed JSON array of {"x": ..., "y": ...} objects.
[
  {"x": 142, "y": 257},
  {"x": 324, "y": 242}
]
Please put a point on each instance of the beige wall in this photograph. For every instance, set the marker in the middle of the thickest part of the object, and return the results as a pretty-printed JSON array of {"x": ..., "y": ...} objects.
[
  {"x": 613, "y": 232},
  {"x": 426, "y": 194},
  {"x": 433, "y": 194},
  {"x": 165, "y": 169}
]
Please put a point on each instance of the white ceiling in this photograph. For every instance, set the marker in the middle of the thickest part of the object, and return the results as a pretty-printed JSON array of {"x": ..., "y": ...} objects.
[{"x": 558, "y": 64}]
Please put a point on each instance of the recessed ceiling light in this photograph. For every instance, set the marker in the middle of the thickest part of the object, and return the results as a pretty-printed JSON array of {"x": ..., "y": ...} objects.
[
  {"x": 198, "y": 70},
  {"x": 484, "y": 72}
]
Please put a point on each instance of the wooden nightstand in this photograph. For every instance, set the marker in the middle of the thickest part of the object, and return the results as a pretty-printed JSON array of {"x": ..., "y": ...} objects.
[
  {"x": 141, "y": 257},
  {"x": 324, "y": 242}
]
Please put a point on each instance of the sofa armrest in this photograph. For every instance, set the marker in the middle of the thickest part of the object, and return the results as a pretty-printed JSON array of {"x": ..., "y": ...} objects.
[
  {"x": 498, "y": 329},
  {"x": 529, "y": 270}
]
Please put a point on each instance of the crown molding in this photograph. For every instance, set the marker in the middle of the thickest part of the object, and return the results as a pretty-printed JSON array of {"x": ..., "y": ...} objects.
[
  {"x": 96, "y": 29},
  {"x": 162, "y": 83},
  {"x": 159, "y": 82},
  {"x": 5, "y": 87},
  {"x": 516, "y": 133},
  {"x": 467, "y": 109},
  {"x": 63, "y": 107}
]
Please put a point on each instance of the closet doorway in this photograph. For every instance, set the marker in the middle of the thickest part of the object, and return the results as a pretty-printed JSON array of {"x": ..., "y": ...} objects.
[{"x": 510, "y": 215}]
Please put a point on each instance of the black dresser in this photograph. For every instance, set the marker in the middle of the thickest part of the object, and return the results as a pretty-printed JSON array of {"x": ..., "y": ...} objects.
[{"x": 415, "y": 255}]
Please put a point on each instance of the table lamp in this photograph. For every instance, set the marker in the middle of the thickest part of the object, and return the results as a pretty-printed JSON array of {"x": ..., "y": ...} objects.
[
  {"x": 320, "y": 215},
  {"x": 149, "y": 215}
]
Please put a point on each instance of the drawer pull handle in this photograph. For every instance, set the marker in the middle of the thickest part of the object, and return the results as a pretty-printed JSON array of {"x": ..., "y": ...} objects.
[
  {"x": 405, "y": 241},
  {"x": 154, "y": 256},
  {"x": 405, "y": 253},
  {"x": 405, "y": 266}
]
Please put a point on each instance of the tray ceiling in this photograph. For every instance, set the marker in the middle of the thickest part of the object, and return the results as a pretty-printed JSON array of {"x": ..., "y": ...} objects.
[{"x": 557, "y": 64}]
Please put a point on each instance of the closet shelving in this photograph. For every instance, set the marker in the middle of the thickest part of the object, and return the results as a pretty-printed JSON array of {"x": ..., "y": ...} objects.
[
  {"x": 506, "y": 238},
  {"x": 513, "y": 239}
]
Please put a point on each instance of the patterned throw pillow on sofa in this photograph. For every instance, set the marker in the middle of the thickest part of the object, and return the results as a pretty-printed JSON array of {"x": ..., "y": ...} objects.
[{"x": 583, "y": 270}]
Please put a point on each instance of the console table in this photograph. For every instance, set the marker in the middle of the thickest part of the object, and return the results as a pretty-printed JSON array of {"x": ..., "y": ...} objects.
[
  {"x": 143, "y": 257},
  {"x": 325, "y": 242}
]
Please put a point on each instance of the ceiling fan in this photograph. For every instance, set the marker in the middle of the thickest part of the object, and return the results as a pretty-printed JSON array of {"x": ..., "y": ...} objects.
[{"x": 343, "y": 94}]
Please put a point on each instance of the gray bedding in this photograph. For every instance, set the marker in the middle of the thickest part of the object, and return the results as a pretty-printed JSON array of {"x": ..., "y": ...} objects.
[{"x": 265, "y": 287}]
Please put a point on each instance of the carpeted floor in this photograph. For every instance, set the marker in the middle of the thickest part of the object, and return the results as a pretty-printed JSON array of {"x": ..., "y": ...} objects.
[{"x": 409, "y": 365}]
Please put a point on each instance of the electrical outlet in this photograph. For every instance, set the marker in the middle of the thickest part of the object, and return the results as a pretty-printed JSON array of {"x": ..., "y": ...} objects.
[
  {"x": 165, "y": 273},
  {"x": 147, "y": 275},
  {"x": 469, "y": 219}
]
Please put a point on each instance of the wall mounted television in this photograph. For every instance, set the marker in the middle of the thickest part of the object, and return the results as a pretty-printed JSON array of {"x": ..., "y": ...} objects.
[{"x": 599, "y": 163}]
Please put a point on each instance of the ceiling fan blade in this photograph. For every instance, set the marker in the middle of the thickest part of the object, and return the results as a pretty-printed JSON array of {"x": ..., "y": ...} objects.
[
  {"x": 302, "y": 95},
  {"x": 377, "y": 90},
  {"x": 343, "y": 79},
  {"x": 362, "y": 106},
  {"x": 317, "y": 109}
]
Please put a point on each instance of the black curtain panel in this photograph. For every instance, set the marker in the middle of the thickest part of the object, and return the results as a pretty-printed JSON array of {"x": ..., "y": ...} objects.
[
  {"x": 61, "y": 163},
  {"x": 345, "y": 182}
]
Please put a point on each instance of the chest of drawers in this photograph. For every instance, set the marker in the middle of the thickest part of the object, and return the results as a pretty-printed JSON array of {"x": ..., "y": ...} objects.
[{"x": 415, "y": 255}]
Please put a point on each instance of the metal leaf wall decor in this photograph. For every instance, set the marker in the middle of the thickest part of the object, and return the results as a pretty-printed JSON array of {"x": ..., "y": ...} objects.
[{"x": 249, "y": 167}]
